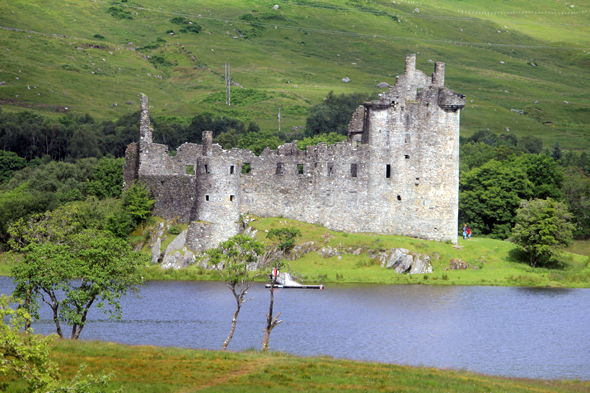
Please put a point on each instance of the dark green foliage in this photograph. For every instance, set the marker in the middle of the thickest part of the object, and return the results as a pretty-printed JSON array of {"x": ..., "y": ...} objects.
[
  {"x": 333, "y": 115},
  {"x": 9, "y": 163},
  {"x": 489, "y": 196},
  {"x": 119, "y": 13},
  {"x": 257, "y": 142},
  {"x": 160, "y": 60},
  {"x": 228, "y": 139},
  {"x": 556, "y": 155},
  {"x": 169, "y": 31},
  {"x": 544, "y": 173},
  {"x": 530, "y": 144},
  {"x": 138, "y": 202},
  {"x": 99, "y": 36},
  {"x": 179, "y": 20},
  {"x": 285, "y": 237},
  {"x": 194, "y": 28},
  {"x": 107, "y": 181},
  {"x": 576, "y": 194},
  {"x": 484, "y": 136},
  {"x": 542, "y": 230},
  {"x": 272, "y": 16},
  {"x": 175, "y": 230}
]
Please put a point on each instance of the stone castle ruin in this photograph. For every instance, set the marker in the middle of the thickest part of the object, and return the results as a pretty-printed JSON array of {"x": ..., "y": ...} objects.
[{"x": 398, "y": 173}]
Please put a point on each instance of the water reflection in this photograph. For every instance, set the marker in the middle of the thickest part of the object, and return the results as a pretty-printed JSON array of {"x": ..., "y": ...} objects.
[{"x": 539, "y": 333}]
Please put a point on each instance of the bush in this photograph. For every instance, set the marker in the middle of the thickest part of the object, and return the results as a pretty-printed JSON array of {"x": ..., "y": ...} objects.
[
  {"x": 99, "y": 36},
  {"x": 175, "y": 230},
  {"x": 194, "y": 28},
  {"x": 179, "y": 20},
  {"x": 138, "y": 202},
  {"x": 119, "y": 13}
]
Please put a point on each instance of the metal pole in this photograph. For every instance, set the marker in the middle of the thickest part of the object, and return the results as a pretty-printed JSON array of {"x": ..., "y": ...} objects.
[
  {"x": 225, "y": 83},
  {"x": 279, "y": 118},
  {"x": 229, "y": 82}
]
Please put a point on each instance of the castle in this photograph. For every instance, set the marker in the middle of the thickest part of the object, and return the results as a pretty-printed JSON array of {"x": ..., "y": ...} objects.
[{"x": 398, "y": 173}]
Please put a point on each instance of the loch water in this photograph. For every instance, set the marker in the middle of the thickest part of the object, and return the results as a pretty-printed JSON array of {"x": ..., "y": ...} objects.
[{"x": 520, "y": 332}]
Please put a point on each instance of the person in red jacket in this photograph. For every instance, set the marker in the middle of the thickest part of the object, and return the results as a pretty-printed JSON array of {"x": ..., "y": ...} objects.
[{"x": 468, "y": 233}]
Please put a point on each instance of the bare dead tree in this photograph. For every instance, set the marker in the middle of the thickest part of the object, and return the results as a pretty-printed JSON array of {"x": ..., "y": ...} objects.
[
  {"x": 231, "y": 260},
  {"x": 286, "y": 241}
]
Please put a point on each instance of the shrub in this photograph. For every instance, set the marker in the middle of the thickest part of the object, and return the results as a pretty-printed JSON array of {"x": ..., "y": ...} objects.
[
  {"x": 175, "y": 230},
  {"x": 119, "y": 13},
  {"x": 99, "y": 36},
  {"x": 179, "y": 20},
  {"x": 194, "y": 28}
]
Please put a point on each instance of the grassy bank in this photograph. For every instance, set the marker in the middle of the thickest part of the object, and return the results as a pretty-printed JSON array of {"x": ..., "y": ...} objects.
[
  {"x": 152, "y": 369},
  {"x": 493, "y": 262}
]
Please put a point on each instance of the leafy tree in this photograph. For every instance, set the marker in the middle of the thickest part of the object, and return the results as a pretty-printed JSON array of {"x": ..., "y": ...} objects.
[
  {"x": 107, "y": 181},
  {"x": 576, "y": 193},
  {"x": 334, "y": 113},
  {"x": 138, "y": 201},
  {"x": 329, "y": 139},
  {"x": 530, "y": 144},
  {"x": 484, "y": 136},
  {"x": 285, "y": 238},
  {"x": 26, "y": 355},
  {"x": 257, "y": 142},
  {"x": 228, "y": 139},
  {"x": 231, "y": 259},
  {"x": 489, "y": 196},
  {"x": 543, "y": 172},
  {"x": 541, "y": 230},
  {"x": 89, "y": 267},
  {"x": 9, "y": 163},
  {"x": 556, "y": 155}
]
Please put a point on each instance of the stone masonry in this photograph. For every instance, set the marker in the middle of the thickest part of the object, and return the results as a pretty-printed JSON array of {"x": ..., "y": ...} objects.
[{"x": 398, "y": 173}]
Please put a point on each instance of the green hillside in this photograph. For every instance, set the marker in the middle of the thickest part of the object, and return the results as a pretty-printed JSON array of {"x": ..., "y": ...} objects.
[{"x": 87, "y": 55}]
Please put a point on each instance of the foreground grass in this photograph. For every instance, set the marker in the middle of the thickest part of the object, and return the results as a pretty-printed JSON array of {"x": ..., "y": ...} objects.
[{"x": 153, "y": 369}]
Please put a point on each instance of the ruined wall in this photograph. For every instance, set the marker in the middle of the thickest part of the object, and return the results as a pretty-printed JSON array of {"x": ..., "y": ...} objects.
[{"x": 397, "y": 174}]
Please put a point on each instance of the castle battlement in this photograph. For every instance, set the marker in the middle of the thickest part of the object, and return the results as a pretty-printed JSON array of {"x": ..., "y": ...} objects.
[{"x": 398, "y": 173}]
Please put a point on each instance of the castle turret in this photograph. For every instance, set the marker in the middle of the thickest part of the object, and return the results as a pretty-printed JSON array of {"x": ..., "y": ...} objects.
[
  {"x": 410, "y": 63},
  {"x": 438, "y": 76},
  {"x": 145, "y": 132},
  {"x": 207, "y": 142}
]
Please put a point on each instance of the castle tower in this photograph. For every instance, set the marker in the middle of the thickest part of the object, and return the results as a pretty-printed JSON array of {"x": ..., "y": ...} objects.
[{"x": 413, "y": 136}]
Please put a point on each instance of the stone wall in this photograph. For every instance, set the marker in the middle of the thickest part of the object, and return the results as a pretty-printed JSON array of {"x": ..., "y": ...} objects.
[{"x": 398, "y": 173}]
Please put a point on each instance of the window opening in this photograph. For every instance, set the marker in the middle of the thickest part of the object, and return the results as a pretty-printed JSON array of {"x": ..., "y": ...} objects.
[
  {"x": 407, "y": 156},
  {"x": 280, "y": 168},
  {"x": 353, "y": 170},
  {"x": 388, "y": 171},
  {"x": 330, "y": 168},
  {"x": 399, "y": 198},
  {"x": 232, "y": 198},
  {"x": 300, "y": 169},
  {"x": 231, "y": 170},
  {"x": 246, "y": 168},
  {"x": 205, "y": 169},
  {"x": 207, "y": 198},
  {"x": 190, "y": 169}
]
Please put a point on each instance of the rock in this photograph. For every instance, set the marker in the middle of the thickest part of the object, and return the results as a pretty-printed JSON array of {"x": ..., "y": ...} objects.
[
  {"x": 177, "y": 243},
  {"x": 250, "y": 232},
  {"x": 457, "y": 247},
  {"x": 301, "y": 249},
  {"x": 275, "y": 7},
  {"x": 358, "y": 251},
  {"x": 328, "y": 251},
  {"x": 383, "y": 84},
  {"x": 1, "y": 83},
  {"x": 421, "y": 264},
  {"x": 156, "y": 253},
  {"x": 129, "y": 102},
  {"x": 346, "y": 79},
  {"x": 404, "y": 265},
  {"x": 189, "y": 258},
  {"x": 457, "y": 264},
  {"x": 395, "y": 258},
  {"x": 173, "y": 261}
]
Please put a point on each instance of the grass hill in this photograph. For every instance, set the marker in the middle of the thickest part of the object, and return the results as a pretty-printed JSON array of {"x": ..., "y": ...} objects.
[{"x": 87, "y": 55}]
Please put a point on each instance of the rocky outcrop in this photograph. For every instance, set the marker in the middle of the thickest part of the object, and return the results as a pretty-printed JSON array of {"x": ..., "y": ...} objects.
[
  {"x": 402, "y": 260},
  {"x": 177, "y": 260},
  {"x": 458, "y": 264},
  {"x": 177, "y": 243},
  {"x": 301, "y": 249},
  {"x": 156, "y": 253}
]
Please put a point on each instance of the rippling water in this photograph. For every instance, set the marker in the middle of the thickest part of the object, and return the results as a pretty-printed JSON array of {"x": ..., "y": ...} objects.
[{"x": 523, "y": 332}]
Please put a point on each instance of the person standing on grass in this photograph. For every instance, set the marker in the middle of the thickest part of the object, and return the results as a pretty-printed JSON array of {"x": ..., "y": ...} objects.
[
  {"x": 464, "y": 231},
  {"x": 469, "y": 233}
]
